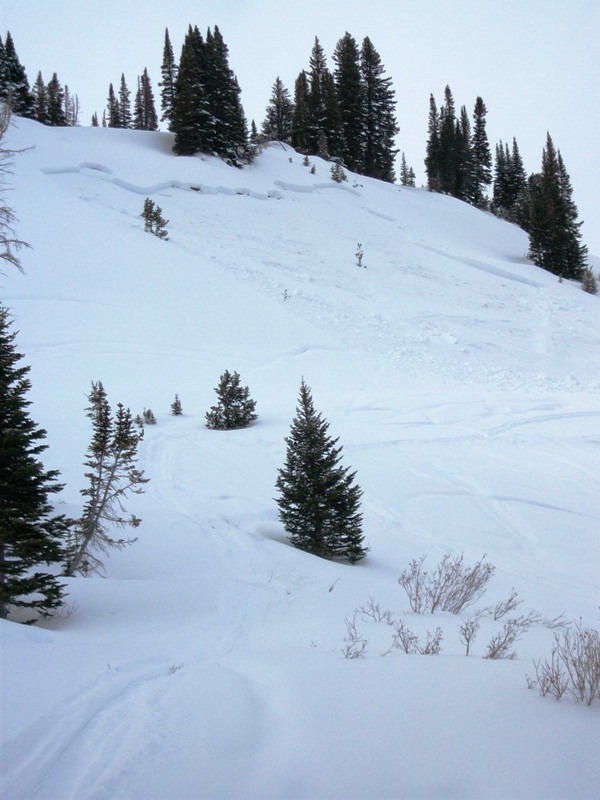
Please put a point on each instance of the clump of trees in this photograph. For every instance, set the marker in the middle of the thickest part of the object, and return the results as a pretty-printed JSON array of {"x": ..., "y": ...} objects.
[
  {"x": 552, "y": 219},
  {"x": 201, "y": 97},
  {"x": 346, "y": 115},
  {"x": 319, "y": 502},
  {"x": 458, "y": 161},
  {"x": 48, "y": 103}
]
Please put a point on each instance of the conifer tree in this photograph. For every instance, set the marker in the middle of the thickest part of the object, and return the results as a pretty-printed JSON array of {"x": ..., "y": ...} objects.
[
  {"x": 279, "y": 114},
  {"x": 481, "y": 158},
  {"x": 554, "y": 232},
  {"x": 449, "y": 146},
  {"x": 229, "y": 137},
  {"x": 318, "y": 500},
  {"x": 124, "y": 104},
  {"x": 113, "y": 474},
  {"x": 31, "y": 535},
  {"x": 176, "y": 408},
  {"x": 114, "y": 113},
  {"x": 433, "y": 157},
  {"x": 168, "y": 82},
  {"x": 191, "y": 119},
  {"x": 40, "y": 100},
  {"x": 56, "y": 103},
  {"x": 407, "y": 175},
  {"x": 235, "y": 408},
  {"x": 351, "y": 100},
  {"x": 464, "y": 176},
  {"x": 381, "y": 127},
  {"x": 300, "y": 119},
  {"x": 154, "y": 222},
  {"x": 145, "y": 117}
]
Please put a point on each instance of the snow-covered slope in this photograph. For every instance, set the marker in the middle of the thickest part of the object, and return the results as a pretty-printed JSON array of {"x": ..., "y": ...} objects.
[{"x": 463, "y": 383}]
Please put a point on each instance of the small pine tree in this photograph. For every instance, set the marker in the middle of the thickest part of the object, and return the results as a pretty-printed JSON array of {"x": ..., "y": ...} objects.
[
  {"x": 176, "y": 408},
  {"x": 588, "y": 282},
  {"x": 149, "y": 418},
  {"x": 154, "y": 222},
  {"x": 113, "y": 474},
  {"x": 235, "y": 409},
  {"x": 30, "y": 535},
  {"x": 337, "y": 173},
  {"x": 318, "y": 499}
]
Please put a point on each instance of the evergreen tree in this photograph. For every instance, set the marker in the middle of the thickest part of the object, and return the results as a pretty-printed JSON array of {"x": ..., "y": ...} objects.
[
  {"x": 351, "y": 100},
  {"x": 176, "y": 408},
  {"x": 154, "y": 222},
  {"x": 14, "y": 86},
  {"x": 517, "y": 186},
  {"x": 114, "y": 113},
  {"x": 464, "y": 178},
  {"x": 56, "y": 103},
  {"x": 300, "y": 119},
  {"x": 168, "y": 83},
  {"x": 381, "y": 127},
  {"x": 192, "y": 120},
  {"x": 229, "y": 137},
  {"x": 145, "y": 117},
  {"x": 71, "y": 108},
  {"x": 407, "y": 175},
  {"x": 449, "y": 144},
  {"x": 501, "y": 194},
  {"x": 481, "y": 158},
  {"x": 113, "y": 474},
  {"x": 124, "y": 104},
  {"x": 30, "y": 534},
  {"x": 318, "y": 499},
  {"x": 433, "y": 157},
  {"x": 40, "y": 100},
  {"x": 510, "y": 185},
  {"x": 235, "y": 408},
  {"x": 279, "y": 114},
  {"x": 554, "y": 232},
  {"x": 4, "y": 92}
]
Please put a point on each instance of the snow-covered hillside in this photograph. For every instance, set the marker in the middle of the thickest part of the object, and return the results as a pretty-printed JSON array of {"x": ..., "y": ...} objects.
[{"x": 464, "y": 384}]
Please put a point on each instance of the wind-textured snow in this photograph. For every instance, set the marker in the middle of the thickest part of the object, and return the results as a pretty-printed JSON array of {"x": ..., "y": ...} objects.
[{"x": 464, "y": 384}]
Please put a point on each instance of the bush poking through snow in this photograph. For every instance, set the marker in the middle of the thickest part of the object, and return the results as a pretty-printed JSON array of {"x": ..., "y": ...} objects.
[
  {"x": 355, "y": 646},
  {"x": 501, "y": 644},
  {"x": 468, "y": 632},
  {"x": 573, "y": 668},
  {"x": 235, "y": 409},
  {"x": 451, "y": 587},
  {"x": 149, "y": 418},
  {"x": 407, "y": 641}
]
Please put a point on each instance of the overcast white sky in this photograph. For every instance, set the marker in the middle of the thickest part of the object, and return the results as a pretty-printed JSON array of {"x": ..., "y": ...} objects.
[{"x": 535, "y": 63}]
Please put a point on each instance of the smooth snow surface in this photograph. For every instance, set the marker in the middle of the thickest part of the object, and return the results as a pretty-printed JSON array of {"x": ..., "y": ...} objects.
[{"x": 464, "y": 384}]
